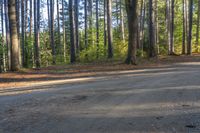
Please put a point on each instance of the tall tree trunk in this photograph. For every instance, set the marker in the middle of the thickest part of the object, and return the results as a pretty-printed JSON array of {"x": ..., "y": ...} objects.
[
  {"x": 30, "y": 32},
  {"x": 142, "y": 23},
  {"x": 117, "y": 10},
  {"x": 122, "y": 22},
  {"x": 22, "y": 33},
  {"x": 72, "y": 32},
  {"x": 172, "y": 29},
  {"x": 31, "y": 18},
  {"x": 25, "y": 34},
  {"x": 189, "y": 46},
  {"x": 198, "y": 20},
  {"x": 97, "y": 27},
  {"x": 8, "y": 43},
  {"x": 131, "y": 8},
  {"x": 86, "y": 24},
  {"x": 184, "y": 26},
  {"x": 36, "y": 30},
  {"x": 18, "y": 29},
  {"x": 15, "y": 66},
  {"x": 64, "y": 41},
  {"x": 52, "y": 31},
  {"x": 3, "y": 43},
  {"x": 156, "y": 26},
  {"x": 105, "y": 26},
  {"x": 109, "y": 27},
  {"x": 90, "y": 5},
  {"x": 77, "y": 24},
  {"x": 152, "y": 49},
  {"x": 58, "y": 22}
]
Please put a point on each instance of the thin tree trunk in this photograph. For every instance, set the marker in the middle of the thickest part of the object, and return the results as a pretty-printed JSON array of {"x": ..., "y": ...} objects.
[
  {"x": 52, "y": 31},
  {"x": 22, "y": 33},
  {"x": 15, "y": 66},
  {"x": 8, "y": 44},
  {"x": 64, "y": 41},
  {"x": 3, "y": 43},
  {"x": 31, "y": 18},
  {"x": 198, "y": 20},
  {"x": 184, "y": 26},
  {"x": 36, "y": 30},
  {"x": 156, "y": 26},
  {"x": 189, "y": 46},
  {"x": 86, "y": 24},
  {"x": 77, "y": 24},
  {"x": 152, "y": 49},
  {"x": 58, "y": 22},
  {"x": 105, "y": 27},
  {"x": 97, "y": 27},
  {"x": 142, "y": 28},
  {"x": 117, "y": 9},
  {"x": 172, "y": 28},
  {"x": 72, "y": 32},
  {"x": 109, "y": 27},
  {"x": 122, "y": 22},
  {"x": 90, "y": 5}
]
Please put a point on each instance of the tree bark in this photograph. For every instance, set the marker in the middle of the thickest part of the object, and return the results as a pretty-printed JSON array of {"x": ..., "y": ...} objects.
[
  {"x": 105, "y": 26},
  {"x": 131, "y": 8},
  {"x": 184, "y": 26},
  {"x": 15, "y": 66},
  {"x": 77, "y": 24},
  {"x": 36, "y": 30},
  {"x": 97, "y": 27},
  {"x": 122, "y": 22},
  {"x": 152, "y": 48},
  {"x": 109, "y": 28},
  {"x": 8, "y": 41},
  {"x": 52, "y": 31},
  {"x": 189, "y": 46},
  {"x": 64, "y": 41},
  {"x": 198, "y": 20},
  {"x": 58, "y": 23},
  {"x": 72, "y": 32},
  {"x": 86, "y": 24}
]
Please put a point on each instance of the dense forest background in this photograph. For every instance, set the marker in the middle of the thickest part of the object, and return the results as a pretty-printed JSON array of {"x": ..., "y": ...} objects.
[{"x": 39, "y": 33}]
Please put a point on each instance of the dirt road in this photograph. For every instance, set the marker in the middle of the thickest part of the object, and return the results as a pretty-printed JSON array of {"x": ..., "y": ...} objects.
[{"x": 158, "y": 100}]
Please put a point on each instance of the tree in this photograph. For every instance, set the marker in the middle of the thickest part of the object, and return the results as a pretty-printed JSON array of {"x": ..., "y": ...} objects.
[
  {"x": 86, "y": 24},
  {"x": 131, "y": 8},
  {"x": 77, "y": 24},
  {"x": 8, "y": 43},
  {"x": 58, "y": 23},
  {"x": 152, "y": 38},
  {"x": 36, "y": 32},
  {"x": 122, "y": 22},
  {"x": 3, "y": 43},
  {"x": 198, "y": 21},
  {"x": 72, "y": 32},
  {"x": 22, "y": 34},
  {"x": 15, "y": 66},
  {"x": 97, "y": 27},
  {"x": 189, "y": 43},
  {"x": 52, "y": 31},
  {"x": 105, "y": 24},
  {"x": 184, "y": 25},
  {"x": 90, "y": 11},
  {"x": 64, "y": 41},
  {"x": 109, "y": 28},
  {"x": 172, "y": 29}
]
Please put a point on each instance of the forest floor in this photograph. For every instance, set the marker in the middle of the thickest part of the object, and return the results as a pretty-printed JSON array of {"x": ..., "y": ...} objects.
[
  {"x": 62, "y": 73},
  {"x": 157, "y": 96}
]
